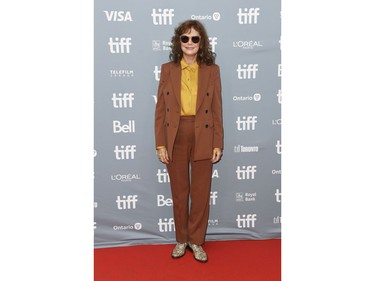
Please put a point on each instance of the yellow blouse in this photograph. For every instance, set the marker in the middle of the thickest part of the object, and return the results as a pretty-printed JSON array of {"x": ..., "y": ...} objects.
[{"x": 189, "y": 88}]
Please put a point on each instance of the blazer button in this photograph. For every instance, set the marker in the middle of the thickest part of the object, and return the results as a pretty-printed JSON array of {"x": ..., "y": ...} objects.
[
  {"x": 167, "y": 124},
  {"x": 207, "y": 94},
  {"x": 167, "y": 93},
  {"x": 206, "y": 110},
  {"x": 206, "y": 126},
  {"x": 167, "y": 109}
]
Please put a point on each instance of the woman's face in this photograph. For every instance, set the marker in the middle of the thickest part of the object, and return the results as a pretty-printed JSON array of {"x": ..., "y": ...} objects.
[{"x": 190, "y": 49}]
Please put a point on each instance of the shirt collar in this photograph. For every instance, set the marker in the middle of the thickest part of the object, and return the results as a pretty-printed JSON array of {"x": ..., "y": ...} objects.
[{"x": 192, "y": 67}]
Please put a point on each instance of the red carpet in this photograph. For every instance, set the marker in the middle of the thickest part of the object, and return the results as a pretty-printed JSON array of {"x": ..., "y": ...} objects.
[{"x": 258, "y": 260}]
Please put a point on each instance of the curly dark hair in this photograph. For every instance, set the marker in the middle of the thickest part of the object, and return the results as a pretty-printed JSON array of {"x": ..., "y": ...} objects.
[{"x": 204, "y": 55}]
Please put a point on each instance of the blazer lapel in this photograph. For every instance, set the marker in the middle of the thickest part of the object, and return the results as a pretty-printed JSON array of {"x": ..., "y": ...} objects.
[
  {"x": 176, "y": 82},
  {"x": 203, "y": 75}
]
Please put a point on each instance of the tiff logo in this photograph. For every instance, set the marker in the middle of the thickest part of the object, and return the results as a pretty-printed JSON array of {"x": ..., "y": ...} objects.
[
  {"x": 279, "y": 96},
  {"x": 119, "y": 45},
  {"x": 122, "y": 100},
  {"x": 213, "y": 197},
  {"x": 162, "y": 17},
  {"x": 278, "y": 196},
  {"x": 213, "y": 43},
  {"x": 247, "y": 71},
  {"x": 157, "y": 72},
  {"x": 246, "y": 123},
  {"x": 163, "y": 176},
  {"x": 166, "y": 225},
  {"x": 246, "y": 221},
  {"x": 278, "y": 147},
  {"x": 125, "y": 152},
  {"x": 246, "y": 172},
  {"x": 126, "y": 202},
  {"x": 248, "y": 16}
]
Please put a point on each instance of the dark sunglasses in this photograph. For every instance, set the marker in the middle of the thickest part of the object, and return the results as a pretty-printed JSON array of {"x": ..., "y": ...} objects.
[{"x": 194, "y": 39}]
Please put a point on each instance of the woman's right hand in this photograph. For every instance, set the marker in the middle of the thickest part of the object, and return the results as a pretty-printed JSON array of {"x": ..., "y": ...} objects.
[{"x": 163, "y": 155}]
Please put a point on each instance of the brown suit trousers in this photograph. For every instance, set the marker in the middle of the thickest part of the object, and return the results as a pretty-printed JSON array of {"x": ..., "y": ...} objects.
[{"x": 189, "y": 177}]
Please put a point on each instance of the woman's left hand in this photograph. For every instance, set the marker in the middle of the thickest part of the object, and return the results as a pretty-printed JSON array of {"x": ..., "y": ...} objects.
[{"x": 217, "y": 153}]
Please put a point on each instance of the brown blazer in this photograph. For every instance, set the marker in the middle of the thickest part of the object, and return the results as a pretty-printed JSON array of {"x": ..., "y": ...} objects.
[{"x": 209, "y": 131}]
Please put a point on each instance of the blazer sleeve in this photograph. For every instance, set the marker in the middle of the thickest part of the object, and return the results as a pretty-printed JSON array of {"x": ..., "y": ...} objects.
[
  {"x": 160, "y": 137},
  {"x": 217, "y": 110}
]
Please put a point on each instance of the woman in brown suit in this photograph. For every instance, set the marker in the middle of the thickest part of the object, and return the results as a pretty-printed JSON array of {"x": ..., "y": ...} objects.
[{"x": 189, "y": 132}]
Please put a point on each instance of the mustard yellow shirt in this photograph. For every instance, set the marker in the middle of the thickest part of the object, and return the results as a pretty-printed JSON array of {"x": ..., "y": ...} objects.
[{"x": 189, "y": 88}]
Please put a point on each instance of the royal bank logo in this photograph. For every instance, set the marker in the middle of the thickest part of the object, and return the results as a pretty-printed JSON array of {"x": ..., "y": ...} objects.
[
  {"x": 247, "y": 71},
  {"x": 213, "y": 222},
  {"x": 161, "y": 45},
  {"x": 246, "y": 220},
  {"x": 119, "y": 45},
  {"x": 215, "y": 17},
  {"x": 245, "y": 196},
  {"x": 248, "y": 15},
  {"x": 120, "y": 16},
  {"x": 162, "y": 16}
]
